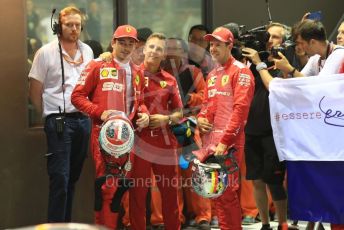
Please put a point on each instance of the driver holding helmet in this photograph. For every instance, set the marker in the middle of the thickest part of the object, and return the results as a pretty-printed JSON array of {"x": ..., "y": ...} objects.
[
  {"x": 105, "y": 89},
  {"x": 227, "y": 98}
]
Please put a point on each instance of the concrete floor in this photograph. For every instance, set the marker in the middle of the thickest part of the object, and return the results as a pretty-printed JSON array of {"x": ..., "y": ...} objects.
[{"x": 301, "y": 225}]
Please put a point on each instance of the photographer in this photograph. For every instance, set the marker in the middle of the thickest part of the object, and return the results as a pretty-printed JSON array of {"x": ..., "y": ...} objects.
[
  {"x": 263, "y": 165},
  {"x": 325, "y": 57},
  {"x": 66, "y": 129}
]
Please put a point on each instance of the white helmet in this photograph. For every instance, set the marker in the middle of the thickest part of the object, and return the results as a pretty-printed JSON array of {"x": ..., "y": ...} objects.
[
  {"x": 116, "y": 136},
  {"x": 210, "y": 179}
]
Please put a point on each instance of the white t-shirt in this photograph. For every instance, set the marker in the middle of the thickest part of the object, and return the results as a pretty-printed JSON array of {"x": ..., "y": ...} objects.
[
  {"x": 46, "y": 68},
  {"x": 129, "y": 89},
  {"x": 312, "y": 66},
  {"x": 333, "y": 62},
  {"x": 331, "y": 65}
]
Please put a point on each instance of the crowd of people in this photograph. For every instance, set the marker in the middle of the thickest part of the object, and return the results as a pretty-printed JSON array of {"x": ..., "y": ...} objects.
[{"x": 159, "y": 84}]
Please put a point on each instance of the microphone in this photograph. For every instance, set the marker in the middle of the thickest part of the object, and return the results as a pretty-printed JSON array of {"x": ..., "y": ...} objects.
[{"x": 268, "y": 9}]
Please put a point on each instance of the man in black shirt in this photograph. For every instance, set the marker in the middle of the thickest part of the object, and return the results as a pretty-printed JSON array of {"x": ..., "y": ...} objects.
[
  {"x": 263, "y": 165},
  {"x": 198, "y": 49}
]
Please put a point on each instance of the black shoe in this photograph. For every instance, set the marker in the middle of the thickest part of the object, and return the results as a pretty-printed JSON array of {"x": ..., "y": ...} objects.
[
  {"x": 272, "y": 216},
  {"x": 204, "y": 225},
  {"x": 158, "y": 227}
]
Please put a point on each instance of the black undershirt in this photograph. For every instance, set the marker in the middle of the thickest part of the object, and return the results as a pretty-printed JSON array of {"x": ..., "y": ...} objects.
[{"x": 258, "y": 121}]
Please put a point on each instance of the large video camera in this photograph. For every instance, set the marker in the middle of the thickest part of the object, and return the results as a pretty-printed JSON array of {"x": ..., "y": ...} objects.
[
  {"x": 258, "y": 37},
  {"x": 255, "y": 38}
]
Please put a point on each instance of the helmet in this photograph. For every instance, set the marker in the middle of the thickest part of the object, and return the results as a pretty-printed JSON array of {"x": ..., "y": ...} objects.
[
  {"x": 116, "y": 136},
  {"x": 210, "y": 179}
]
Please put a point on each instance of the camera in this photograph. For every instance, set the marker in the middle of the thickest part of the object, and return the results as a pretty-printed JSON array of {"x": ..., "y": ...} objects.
[
  {"x": 274, "y": 51},
  {"x": 287, "y": 49},
  {"x": 255, "y": 38}
]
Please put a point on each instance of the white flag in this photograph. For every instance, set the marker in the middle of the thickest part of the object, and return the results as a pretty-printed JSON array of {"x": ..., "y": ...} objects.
[{"x": 307, "y": 117}]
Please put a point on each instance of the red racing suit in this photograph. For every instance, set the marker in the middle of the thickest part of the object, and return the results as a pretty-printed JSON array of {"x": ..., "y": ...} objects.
[
  {"x": 102, "y": 86},
  {"x": 227, "y": 98},
  {"x": 156, "y": 149}
]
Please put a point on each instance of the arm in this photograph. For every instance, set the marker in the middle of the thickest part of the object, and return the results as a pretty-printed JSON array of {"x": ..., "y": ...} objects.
[
  {"x": 263, "y": 72},
  {"x": 35, "y": 94},
  {"x": 284, "y": 65},
  {"x": 84, "y": 88},
  {"x": 38, "y": 72},
  {"x": 159, "y": 120}
]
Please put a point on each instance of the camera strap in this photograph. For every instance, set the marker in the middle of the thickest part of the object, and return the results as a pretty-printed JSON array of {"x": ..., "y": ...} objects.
[{"x": 63, "y": 80}]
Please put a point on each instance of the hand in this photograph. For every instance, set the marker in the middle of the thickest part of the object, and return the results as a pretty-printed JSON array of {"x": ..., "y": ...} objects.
[
  {"x": 106, "y": 56},
  {"x": 251, "y": 54},
  {"x": 204, "y": 125},
  {"x": 283, "y": 64},
  {"x": 157, "y": 121},
  {"x": 107, "y": 113},
  {"x": 304, "y": 17},
  {"x": 143, "y": 120},
  {"x": 220, "y": 149}
]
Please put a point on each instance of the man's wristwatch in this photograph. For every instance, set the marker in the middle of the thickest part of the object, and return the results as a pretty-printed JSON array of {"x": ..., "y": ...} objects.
[
  {"x": 260, "y": 66},
  {"x": 291, "y": 73},
  {"x": 170, "y": 120}
]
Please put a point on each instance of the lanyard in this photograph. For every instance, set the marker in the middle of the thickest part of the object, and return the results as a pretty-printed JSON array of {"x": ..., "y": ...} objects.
[{"x": 328, "y": 52}]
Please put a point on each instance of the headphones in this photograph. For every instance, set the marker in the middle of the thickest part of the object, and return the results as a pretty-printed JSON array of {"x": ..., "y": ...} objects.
[{"x": 56, "y": 27}]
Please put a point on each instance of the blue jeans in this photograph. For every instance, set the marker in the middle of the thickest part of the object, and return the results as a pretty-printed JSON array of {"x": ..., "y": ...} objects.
[{"x": 65, "y": 158}]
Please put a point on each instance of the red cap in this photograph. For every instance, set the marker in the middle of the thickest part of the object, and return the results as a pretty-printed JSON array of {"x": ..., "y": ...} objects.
[
  {"x": 220, "y": 33},
  {"x": 125, "y": 31}
]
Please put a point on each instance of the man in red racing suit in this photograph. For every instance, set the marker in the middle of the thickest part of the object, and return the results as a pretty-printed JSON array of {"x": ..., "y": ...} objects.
[
  {"x": 156, "y": 144},
  {"x": 227, "y": 98},
  {"x": 103, "y": 88}
]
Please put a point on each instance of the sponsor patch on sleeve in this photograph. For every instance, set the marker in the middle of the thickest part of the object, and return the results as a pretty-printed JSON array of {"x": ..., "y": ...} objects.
[
  {"x": 82, "y": 78},
  {"x": 211, "y": 81},
  {"x": 244, "y": 79}
]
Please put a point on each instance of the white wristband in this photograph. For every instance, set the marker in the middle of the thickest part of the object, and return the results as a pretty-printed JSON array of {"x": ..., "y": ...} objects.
[{"x": 261, "y": 66}]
